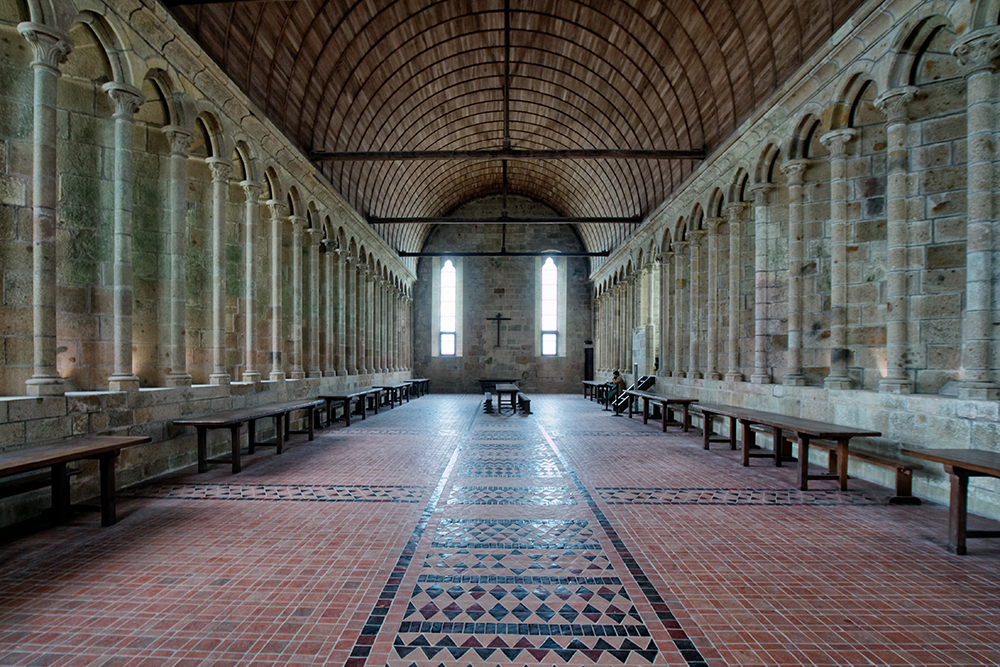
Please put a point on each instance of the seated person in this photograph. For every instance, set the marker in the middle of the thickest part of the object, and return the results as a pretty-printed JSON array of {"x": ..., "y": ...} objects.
[{"x": 617, "y": 387}]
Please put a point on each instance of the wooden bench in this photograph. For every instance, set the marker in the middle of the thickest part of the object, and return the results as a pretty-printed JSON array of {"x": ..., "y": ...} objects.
[
  {"x": 487, "y": 402},
  {"x": 375, "y": 396},
  {"x": 595, "y": 390},
  {"x": 234, "y": 420},
  {"x": 421, "y": 386},
  {"x": 395, "y": 392},
  {"x": 804, "y": 430},
  {"x": 55, "y": 455},
  {"x": 524, "y": 403},
  {"x": 347, "y": 400},
  {"x": 667, "y": 405},
  {"x": 903, "y": 482},
  {"x": 961, "y": 464}
]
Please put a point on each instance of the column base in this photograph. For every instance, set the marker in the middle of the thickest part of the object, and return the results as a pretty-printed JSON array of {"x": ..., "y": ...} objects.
[
  {"x": 341, "y": 372},
  {"x": 251, "y": 376},
  {"x": 177, "y": 380},
  {"x": 123, "y": 383},
  {"x": 760, "y": 378},
  {"x": 220, "y": 378},
  {"x": 794, "y": 380},
  {"x": 297, "y": 375},
  {"x": 895, "y": 386},
  {"x": 694, "y": 375},
  {"x": 713, "y": 375},
  {"x": 315, "y": 373},
  {"x": 978, "y": 391},
  {"x": 45, "y": 385},
  {"x": 276, "y": 376},
  {"x": 734, "y": 376},
  {"x": 837, "y": 382}
]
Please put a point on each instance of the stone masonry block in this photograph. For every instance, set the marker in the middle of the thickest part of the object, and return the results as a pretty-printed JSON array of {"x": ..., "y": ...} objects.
[
  {"x": 943, "y": 179},
  {"x": 11, "y": 435},
  {"x": 948, "y": 255},
  {"x": 943, "y": 129},
  {"x": 41, "y": 430},
  {"x": 36, "y": 407},
  {"x": 13, "y": 190},
  {"x": 86, "y": 402}
]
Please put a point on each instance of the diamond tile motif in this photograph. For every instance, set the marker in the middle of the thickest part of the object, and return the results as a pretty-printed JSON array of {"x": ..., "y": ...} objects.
[
  {"x": 297, "y": 492},
  {"x": 654, "y": 496},
  {"x": 511, "y": 495},
  {"x": 527, "y": 534},
  {"x": 532, "y": 467}
]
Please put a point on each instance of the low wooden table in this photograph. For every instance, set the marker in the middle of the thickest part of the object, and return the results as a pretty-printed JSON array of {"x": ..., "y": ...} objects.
[
  {"x": 961, "y": 464},
  {"x": 664, "y": 401},
  {"x": 104, "y": 448},
  {"x": 421, "y": 386},
  {"x": 595, "y": 390},
  {"x": 804, "y": 430},
  {"x": 509, "y": 389},
  {"x": 346, "y": 400}
]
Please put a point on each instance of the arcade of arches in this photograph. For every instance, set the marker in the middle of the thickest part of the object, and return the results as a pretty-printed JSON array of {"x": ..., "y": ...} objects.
[{"x": 167, "y": 246}]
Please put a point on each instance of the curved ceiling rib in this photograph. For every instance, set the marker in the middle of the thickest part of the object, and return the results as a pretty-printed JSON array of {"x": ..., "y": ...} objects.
[{"x": 418, "y": 75}]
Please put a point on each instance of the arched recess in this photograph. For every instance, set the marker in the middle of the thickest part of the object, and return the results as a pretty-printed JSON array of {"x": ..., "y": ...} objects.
[
  {"x": 115, "y": 49},
  {"x": 737, "y": 190},
  {"x": 924, "y": 54},
  {"x": 765, "y": 169},
  {"x": 56, "y": 14}
]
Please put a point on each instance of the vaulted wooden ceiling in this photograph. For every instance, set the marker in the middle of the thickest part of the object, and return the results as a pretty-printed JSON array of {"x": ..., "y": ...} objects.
[{"x": 422, "y": 75}]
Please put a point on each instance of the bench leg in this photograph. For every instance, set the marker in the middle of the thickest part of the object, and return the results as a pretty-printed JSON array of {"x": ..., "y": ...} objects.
[
  {"x": 706, "y": 428},
  {"x": 251, "y": 435},
  {"x": 804, "y": 462},
  {"x": 288, "y": 429},
  {"x": 311, "y": 418},
  {"x": 841, "y": 463},
  {"x": 237, "y": 464},
  {"x": 60, "y": 493},
  {"x": 108, "y": 513},
  {"x": 347, "y": 411},
  {"x": 278, "y": 421},
  {"x": 202, "y": 449},
  {"x": 958, "y": 510},
  {"x": 687, "y": 419},
  {"x": 779, "y": 446},
  {"x": 749, "y": 438},
  {"x": 732, "y": 433}
]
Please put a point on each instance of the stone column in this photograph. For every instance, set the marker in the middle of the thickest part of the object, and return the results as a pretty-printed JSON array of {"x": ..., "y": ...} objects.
[
  {"x": 680, "y": 287},
  {"x": 761, "y": 223},
  {"x": 330, "y": 283},
  {"x": 340, "y": 309},
  {"x": 175, "y": 357},
  {"x": 630, "y": 320},
  {"x": 50, "y": 48},
  {"x": 277, "y": 373},
  {"x": 712, "y": 364},
  {"x": 351, "y": 315},
  {"x": 252, "y": 216},
  {"x": 127, "y": 101},
  {"x": 795, "y": 171},
  {"x": 361, "y": 321},
  {"x": 836, "y": 142},
  {"x": 394, "y": 321},
  {"x": 734, "y": 212},
  {"x": 408, "y": 313},
  {"x": 315, "y": 238},
  {"x": 298, "y": 230},
  {"x": 893, "y": 104},
  {"x": 981, "y": 50},
  {"x": 370, "y": 305},
  {"x": 664, "y": 318},
  {"x": 383, "y": 324},
  {"x": 220, "y": 195},
  {"x": 694, "y": 302}
]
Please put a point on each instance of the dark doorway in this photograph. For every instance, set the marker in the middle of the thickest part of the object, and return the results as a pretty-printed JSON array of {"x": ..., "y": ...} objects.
[{"x": 588, "y": 363}]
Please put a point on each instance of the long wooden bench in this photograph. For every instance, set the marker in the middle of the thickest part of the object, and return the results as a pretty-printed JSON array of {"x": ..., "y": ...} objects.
[
  {"x": 395, "y": 392},
  {"x": 347, "y": 400},
  {"x": 667, "y": 405},
  {"x": 234, "y": 420},
  {"x": 421, "y": 386},
  {"x": 375, "y": 396},
  {"x": 55, "y": 455},
  {"x": 804, "y": 430},
  {"x": 524, "y": 403},
  {"x": 903, "y": 470},
  {"x": 488, "y": 402}
]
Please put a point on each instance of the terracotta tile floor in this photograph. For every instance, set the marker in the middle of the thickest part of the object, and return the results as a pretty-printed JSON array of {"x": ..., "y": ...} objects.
[{"x": 432, "y": 534}]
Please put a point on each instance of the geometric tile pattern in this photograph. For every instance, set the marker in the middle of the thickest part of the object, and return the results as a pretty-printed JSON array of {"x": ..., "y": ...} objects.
[
  {"x": 365, "y": 493},
  {"x": 537, "y": 467},
  {"x": 524, "y": 533},
  {"x": 654, "y": 496},
  {"x": 511, "y": 495}
]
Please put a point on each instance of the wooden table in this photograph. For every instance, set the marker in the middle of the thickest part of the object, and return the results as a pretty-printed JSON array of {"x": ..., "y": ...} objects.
[
  {"x": 489, "y": 384},
  {"x": 803, "y": 430},
  {"x": 961, "y": 464},
  {"x": 664, "y": 401},
  {"x": 104, "y": 448},
  {"x": 506, "y": 388},
  {"x": 421, "y": 386},
  {"x": 347, "y": 400}
]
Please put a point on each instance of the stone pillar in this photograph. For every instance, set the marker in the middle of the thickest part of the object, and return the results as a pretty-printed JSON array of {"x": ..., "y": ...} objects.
[
  {"x": 761, "y": 223},
  {"x": 351, "y": 315},
  {"x": 836, "y": 142},
  {"x": 361, "y": 321},
  {"x": 315, "y": 238},
  {"x": 383, "y": 325},
  {"x": 370, "y": 305},
  {"x": 339, "y": 256},
  {"x": 330, "y": 262},
  {"x": 378, "y": 333},
  {"x": 795, "y": 171},
  {"x": 694, "y": 302},
  {"x": 277, "y": 373},
  {"x": 394, "y": 359},
  {"x": 664, "y": 318},
  {"x": 630, "y": 320},
  {"x": 734, "y": 212},
  {"x": 893, "y": 104},
  {"x": 408, "y": 313},
  {"x": 175, "y": 356},
  {"x": 712, "y": 363},
  {"x": 298, "y": 230},
  {"x": 252, "y": 216},
  {"x": 981, "y": 50},
  {"x": 220, "y": 195},
  {"x": 127, "y": 101},
  {"x": 50, "y": 48},
  {"x": 680, "y": 287}
]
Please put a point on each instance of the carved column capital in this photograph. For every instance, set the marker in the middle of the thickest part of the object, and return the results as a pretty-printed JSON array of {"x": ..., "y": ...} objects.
[
  {"x": 277, "y": 208},
  {"x": 760, "y": 192},
  {"x": 836, "y": 141},
  {"x": 895, "y": 103},
  {"x": 979, "y": 49},
  {"x": 127, "y": 99},
  {"x": 180, "y": 139},
  {"x": 50, "y": 46},
  {"x": 714, "y": 224},
  {"x": 735, "y": 211},
  {"x": 795, "y": 170},
  {"x": 298, "y": 224},
  {"x": 252, "y": 189},
  {"x": 220, "y": 168},
  {"x": 315, "y": 236},
  {"x": 696, "y": 235}
]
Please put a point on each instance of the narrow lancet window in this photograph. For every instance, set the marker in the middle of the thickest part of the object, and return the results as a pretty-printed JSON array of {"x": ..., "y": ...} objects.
[
  {"x": 449, "y": 282},
  {"x": 550, "y": 308}
]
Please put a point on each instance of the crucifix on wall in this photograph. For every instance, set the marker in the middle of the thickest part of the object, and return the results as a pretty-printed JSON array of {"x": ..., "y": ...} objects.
[{"x": 498, "y": 319}]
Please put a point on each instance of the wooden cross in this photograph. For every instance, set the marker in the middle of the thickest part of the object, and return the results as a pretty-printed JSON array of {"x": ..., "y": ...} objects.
[{"x": 498, "y": 319}]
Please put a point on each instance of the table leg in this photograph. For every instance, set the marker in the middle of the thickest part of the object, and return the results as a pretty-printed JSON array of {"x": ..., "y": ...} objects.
[
  {"x": 60, "y": 493},
  {"x": 347, "y": 411},
  {"x": 235, "y": 437},
  {"x": 202, "y": 449},
  {"x": 842, "y": 462},
  {"x": 706, "y": 431},
  {"x": 777, "y": 446},
  {"x": 251, "y": 435},
  {"x": 278, "y": 420},
  {"x": 803, "y": 462},
  {"x": 310, "y": 411},
  {"x": 107, "y": 464},
  {"x": 687, "y": 418},
  {"x": 749, "y": 437},
  {"x": 288, "y": 429},
  {"x": 958, "y": 510}
]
